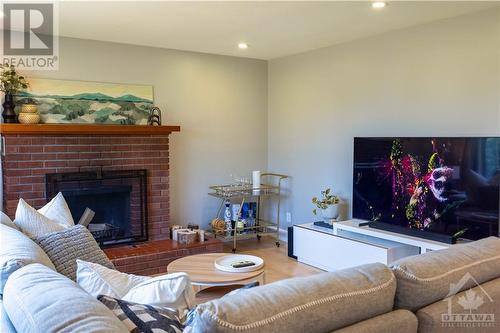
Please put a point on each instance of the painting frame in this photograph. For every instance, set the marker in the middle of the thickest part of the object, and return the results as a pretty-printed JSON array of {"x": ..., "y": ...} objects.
[{"x": 89, "y": 102}]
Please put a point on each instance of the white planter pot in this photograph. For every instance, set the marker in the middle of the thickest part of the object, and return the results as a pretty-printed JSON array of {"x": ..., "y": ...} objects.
[{"x": 330, "y": 213}]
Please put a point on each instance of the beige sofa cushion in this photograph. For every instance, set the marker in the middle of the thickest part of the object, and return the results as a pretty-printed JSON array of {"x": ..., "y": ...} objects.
[
  {"x": 38, "y": 299},
  {"x": 16, "y": 251},
  {"x": 426, "y": 278},
  {"x": 479, "y": 306},
  {"x": 399, "y": 321},
  {"x": 320, "y": 303},
  {"x": 5, "y": 323}
]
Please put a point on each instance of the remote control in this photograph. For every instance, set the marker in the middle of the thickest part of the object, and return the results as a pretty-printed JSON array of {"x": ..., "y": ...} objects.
[{"x": 243, "y": 264}]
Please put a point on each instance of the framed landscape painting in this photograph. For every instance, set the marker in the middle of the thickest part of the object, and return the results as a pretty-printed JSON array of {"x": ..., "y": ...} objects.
[{"x": 63, "y": 101}]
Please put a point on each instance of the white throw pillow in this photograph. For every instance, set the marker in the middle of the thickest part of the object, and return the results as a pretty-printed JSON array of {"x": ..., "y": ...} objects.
[
  {"x": 100, "y": 280},
  {"x": 171, "y": 290},
  {"x": 57, "y": 209},
  {"x": 33, "y": 223},
  {"x": 16, "y": 251},
  {"x": 5, "y": 220}
]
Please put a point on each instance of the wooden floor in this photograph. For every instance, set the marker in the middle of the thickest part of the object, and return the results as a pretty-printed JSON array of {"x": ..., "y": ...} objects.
[{"x": 278, "y": 265}]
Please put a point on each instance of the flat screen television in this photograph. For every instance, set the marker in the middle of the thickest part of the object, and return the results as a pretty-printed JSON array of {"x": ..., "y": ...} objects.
[{"x": 438, "y": 188}]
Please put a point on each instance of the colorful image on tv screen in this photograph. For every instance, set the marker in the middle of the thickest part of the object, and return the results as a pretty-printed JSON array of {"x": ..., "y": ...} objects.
[{"x": 447, "y": 186}]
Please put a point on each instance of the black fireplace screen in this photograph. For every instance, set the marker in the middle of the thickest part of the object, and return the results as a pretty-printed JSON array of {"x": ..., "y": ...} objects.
[{"x": 115, "y": 202}]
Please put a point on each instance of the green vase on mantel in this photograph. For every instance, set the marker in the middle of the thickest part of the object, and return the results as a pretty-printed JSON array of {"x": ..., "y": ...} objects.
[{"x": 8, "y": 114}]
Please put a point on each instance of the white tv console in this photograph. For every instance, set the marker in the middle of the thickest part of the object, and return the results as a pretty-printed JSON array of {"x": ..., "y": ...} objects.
[{"x": 348, "y": 245}]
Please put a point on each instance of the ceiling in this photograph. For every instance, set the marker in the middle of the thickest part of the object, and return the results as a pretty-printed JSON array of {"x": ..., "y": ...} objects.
[{"x": 271, "y": 29}]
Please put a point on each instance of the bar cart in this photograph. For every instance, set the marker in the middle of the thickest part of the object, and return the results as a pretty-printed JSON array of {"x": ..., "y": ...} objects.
[{"x": 270, "y": 187}]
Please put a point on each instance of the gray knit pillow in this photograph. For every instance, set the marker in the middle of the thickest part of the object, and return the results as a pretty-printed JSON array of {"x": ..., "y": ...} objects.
[{"x": 64, "y": 247}]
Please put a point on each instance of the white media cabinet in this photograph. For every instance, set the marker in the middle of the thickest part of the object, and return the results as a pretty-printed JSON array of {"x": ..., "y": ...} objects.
[{"x": 348, "y": 245}]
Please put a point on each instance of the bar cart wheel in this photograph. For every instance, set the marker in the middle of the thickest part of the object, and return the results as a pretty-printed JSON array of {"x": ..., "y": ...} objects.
[
  {"x": 234, "y": 250},
  {"x": 277, "y": 244},
  {"x": 259, "y": 237}
]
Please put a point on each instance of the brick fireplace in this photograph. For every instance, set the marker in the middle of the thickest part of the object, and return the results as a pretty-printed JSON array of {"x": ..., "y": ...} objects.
[
  {"x": 30, "y": 152},
  {"x": 29, "y": 158}
]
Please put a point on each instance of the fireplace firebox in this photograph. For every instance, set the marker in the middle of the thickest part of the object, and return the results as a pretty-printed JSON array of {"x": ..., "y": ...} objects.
[{"x": 117, "y": 200}]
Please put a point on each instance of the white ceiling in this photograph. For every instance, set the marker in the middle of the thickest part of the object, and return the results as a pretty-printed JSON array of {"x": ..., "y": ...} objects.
[{"x": 272, "y": 29}]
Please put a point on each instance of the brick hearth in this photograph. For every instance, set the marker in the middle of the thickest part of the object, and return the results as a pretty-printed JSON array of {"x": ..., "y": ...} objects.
[
  {"x": 153, "y": 257},
  {"x": 29, "y": 157}
]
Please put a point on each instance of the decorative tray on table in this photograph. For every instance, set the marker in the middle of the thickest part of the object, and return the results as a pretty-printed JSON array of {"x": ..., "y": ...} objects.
[{"x": 239, "y": 263}]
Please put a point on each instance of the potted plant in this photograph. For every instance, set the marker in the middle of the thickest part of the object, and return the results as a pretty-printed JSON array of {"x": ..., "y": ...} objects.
[
  {"x": 10, "y": 83},
  {"x": 328, "y": 205}
]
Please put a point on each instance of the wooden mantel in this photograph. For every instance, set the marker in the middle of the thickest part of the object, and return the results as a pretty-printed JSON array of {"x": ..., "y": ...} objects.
[{"x": 85, "y": 129}]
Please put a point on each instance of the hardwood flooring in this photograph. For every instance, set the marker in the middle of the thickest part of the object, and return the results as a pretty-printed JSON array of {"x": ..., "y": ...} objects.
[{"x": 278, "y": 265}]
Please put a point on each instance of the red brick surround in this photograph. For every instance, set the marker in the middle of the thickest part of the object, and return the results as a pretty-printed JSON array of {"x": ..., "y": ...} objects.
[{"x": 29, "y": 157}]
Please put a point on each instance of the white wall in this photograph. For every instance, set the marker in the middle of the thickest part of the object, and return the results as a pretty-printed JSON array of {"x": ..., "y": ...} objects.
[
  {"x": 439, "y": 79},
  {"x": 219, "y": 102}
]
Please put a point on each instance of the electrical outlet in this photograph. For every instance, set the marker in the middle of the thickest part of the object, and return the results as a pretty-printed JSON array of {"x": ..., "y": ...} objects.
[{"x": 288, "y": 217}]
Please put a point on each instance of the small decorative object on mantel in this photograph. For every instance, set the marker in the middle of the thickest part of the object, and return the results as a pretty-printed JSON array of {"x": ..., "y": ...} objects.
[
  {"x": 10, "y": 83},
  {"x": 29, "y": 113},
  {"x": 154, "y": 118},
  {"x": 329, "y": 205}
]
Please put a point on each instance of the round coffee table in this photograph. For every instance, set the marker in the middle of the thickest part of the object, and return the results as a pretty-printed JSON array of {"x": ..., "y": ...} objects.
[{"x": 203, "y": 274}]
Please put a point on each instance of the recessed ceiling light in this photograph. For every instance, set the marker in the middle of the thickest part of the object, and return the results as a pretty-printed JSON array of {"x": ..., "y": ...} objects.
[
  {"x": 378, "y": 4},
  {"x": 243, "y": 46}
]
